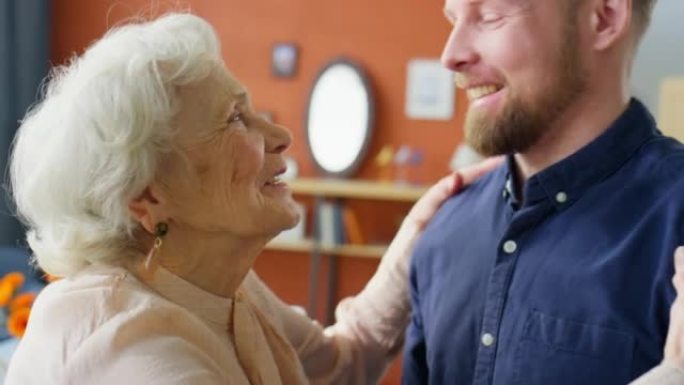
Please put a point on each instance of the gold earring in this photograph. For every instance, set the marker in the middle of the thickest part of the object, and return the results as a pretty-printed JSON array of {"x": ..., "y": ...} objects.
[{"x": 160, "y": 230}]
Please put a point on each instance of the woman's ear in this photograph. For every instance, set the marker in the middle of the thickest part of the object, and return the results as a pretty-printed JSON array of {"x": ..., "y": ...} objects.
[
  {"x": 610, "y": 21},
  {"x": 146, "y": 209}
]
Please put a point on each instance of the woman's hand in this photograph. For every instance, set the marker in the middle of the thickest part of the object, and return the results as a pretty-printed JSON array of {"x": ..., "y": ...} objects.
[
  {"x": 374, "y": 321},
  {"x": 674, "y": 346}
]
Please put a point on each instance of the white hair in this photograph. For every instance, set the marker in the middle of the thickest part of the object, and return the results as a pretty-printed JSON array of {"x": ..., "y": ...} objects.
[{"x": 94, "y": 142}]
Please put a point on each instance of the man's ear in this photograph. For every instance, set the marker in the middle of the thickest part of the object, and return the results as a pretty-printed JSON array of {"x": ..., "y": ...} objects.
[
  {"x": 611, "y": 21},
  {"x": 145, "y": 208}
]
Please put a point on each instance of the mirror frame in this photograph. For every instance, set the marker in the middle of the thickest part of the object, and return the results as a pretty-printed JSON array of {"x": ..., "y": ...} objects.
[{"x": 370, "y": 103}]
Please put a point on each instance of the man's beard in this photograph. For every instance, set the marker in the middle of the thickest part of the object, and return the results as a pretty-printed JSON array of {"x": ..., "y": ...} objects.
[{"x": 521, "y": 124}]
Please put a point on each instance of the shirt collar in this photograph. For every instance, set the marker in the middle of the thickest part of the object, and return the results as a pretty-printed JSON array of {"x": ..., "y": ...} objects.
[
  {"x": 566, "y": 181},
  {"x": 210, "y": 307}
]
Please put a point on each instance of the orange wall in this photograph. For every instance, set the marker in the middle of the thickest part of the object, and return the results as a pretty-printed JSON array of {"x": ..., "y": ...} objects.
[{"x": 382, "y": 35}]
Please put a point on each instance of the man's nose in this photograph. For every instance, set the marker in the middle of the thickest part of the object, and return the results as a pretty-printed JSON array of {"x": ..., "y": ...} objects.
[{"x": 459, "y": 52}]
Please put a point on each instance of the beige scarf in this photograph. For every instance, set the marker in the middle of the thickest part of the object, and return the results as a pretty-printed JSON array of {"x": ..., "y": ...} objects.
[{"x": 265, "y": 356}]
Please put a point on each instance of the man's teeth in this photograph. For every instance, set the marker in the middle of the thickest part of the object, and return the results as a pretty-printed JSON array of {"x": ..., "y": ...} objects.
[
  {"x": 274, "y": 180},
  {"x": 478, "y": 92}
]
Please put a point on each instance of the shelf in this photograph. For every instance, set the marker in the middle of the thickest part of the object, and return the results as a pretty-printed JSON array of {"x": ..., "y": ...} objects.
[
  {"x": 307, "y": 246},
  {"x": 339, "y": 188},
  {"x": 329, "y": 216}
]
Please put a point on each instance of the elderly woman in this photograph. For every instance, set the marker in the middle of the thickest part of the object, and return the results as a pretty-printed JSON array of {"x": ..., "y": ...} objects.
[{"x": 147, "y": 180}]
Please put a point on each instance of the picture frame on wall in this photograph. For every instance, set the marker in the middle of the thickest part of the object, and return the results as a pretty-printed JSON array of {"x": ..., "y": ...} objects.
[
  {"x": 284, "y": 59},
  {"x": 429, "y": 90}
]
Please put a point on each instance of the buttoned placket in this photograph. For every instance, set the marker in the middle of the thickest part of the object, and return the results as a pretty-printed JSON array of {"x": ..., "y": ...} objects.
[{"x": 510, "y": 248}]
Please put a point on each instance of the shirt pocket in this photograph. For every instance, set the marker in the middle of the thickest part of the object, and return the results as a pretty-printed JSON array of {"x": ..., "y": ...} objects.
[{"x": 562, "y": 352}]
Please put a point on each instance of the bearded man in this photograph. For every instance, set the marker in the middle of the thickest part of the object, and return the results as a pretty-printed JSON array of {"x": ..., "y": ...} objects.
[{"x": 554, "y": 269}]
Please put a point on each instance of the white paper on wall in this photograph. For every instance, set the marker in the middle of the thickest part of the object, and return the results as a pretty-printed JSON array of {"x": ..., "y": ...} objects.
[{"x": 429, "y": 90}]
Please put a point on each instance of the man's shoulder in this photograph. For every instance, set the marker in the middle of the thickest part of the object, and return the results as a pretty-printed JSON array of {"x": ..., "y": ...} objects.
[
  {"x": 480, "y": 192},
  {"x": 662, "y": 156},
  {"x": 466, "y": 208},
  {"x": 488, "y": 184}
]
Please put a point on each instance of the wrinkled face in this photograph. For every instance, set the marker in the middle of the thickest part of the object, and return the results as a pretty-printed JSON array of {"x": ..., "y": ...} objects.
[
  {"x": 519, "y": 62},
  {"x": 224, "y": 175}
]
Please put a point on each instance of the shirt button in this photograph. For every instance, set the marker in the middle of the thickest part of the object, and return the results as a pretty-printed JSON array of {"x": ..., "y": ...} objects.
[
  {"x": 510, "y": 247},
  {"x": 561, "y": 197},
  {"x": 487, "y": 339}
]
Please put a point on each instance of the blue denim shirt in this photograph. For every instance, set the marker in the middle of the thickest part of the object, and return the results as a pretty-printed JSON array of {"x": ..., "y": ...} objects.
[{"x": 570, "y": 287}]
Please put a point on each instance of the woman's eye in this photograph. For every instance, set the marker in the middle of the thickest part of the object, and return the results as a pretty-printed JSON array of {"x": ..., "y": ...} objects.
[{"x": 236, "y": 117}]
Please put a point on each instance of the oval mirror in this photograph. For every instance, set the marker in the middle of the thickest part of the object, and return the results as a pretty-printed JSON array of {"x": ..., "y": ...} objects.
[{"x": 339, "y": 118}]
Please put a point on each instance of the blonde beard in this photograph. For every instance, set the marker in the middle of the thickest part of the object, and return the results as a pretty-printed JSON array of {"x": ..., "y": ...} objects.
[{"x": 519, "y": 124}]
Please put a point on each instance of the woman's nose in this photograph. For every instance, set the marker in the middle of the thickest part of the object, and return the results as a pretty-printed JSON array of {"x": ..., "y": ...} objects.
[{"x": 278, "y": 138}]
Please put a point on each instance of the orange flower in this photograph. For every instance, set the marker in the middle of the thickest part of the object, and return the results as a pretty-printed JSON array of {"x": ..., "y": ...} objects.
[
  {"x": 6, "y": 292},
  {"x": 15, "y": 278},
  {"x": 22, "y": 300},
  {"x": 16, "y": 324}
]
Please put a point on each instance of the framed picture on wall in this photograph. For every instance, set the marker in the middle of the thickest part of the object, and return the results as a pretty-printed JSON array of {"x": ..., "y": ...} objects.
[
  {"x": 429, "y": 90},
  {"x": 284, "y": 58}
]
